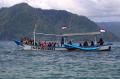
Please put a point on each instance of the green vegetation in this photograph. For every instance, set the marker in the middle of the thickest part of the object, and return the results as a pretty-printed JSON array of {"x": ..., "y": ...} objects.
[{"x": 19, "y": 20}]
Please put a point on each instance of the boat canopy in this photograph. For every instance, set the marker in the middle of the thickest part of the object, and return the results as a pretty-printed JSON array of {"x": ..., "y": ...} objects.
[
  {"x": 47, "y": 34},
  {"x": 71, "y": 34},
  {"x": 81, "y": 34}
]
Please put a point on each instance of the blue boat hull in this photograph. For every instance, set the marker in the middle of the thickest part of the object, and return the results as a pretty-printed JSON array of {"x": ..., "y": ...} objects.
[{"x": 95, "y": 48}]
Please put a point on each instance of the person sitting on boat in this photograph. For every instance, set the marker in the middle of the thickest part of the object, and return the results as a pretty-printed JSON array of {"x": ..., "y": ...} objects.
[
  {"x": 85, "y": 43},
  {"x": 49, "y": 46},
  {"x": 80, "y": 45},
  {"x": 101, "y": 42},
  {"x": 70, "y": 42},
  {"x": 92, "y": 43},
  {"x": 54, "y": 45},
  {"x": 57, "y": 44}
]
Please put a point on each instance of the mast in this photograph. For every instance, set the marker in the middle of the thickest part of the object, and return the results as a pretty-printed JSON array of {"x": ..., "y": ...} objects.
[{"x": 34, "y": 34}]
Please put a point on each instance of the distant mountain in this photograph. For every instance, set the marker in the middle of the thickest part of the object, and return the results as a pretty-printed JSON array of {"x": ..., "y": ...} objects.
[
  {"x": 114, "y": 27},
  {"x": 19, "y": 21}
]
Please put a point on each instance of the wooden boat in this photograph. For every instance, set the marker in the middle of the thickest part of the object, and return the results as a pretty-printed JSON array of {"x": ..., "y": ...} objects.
[
  {"x": 65, "y": 46},
  {"x": 28, "y": 47},
  {"x": 71, "y": 47},
  {"x": 33, "y": 47},
  {"x": 104, "y": 47}
]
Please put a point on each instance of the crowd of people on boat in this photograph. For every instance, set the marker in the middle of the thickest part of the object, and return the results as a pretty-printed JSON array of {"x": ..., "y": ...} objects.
[
  {"x": 87, "y": 43},
  {"x": 51, "y": 45},
  {"x": 40, "y": 44},
  {"x": 91, "y": 43}
]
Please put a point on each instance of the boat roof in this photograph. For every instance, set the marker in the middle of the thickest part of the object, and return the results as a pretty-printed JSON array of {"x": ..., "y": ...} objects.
[
  {"x": 47, "y": 34},
  {"x": 81, "y": 34},
  {"x": 71, "y": 34}
]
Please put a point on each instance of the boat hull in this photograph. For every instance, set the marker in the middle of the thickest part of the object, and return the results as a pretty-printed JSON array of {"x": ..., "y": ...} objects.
[
  {"x": 69, "y": 47},
  {"x": 104, "y": 48},
  {"x": 95, "y": 48},
  {"x": 28, "y": 47}
]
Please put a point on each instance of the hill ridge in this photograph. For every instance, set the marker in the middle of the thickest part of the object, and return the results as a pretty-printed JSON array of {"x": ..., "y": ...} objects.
[{"x": 19, "y": 20}]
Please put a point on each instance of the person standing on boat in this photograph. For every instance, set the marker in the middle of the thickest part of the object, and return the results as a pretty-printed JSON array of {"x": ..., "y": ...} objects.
[
  {"x": 70, "y": 42},
  {"x": 62, "y": 41},
  {"x": 80, "y": 45},
  {"x": 101, "y": 42}
]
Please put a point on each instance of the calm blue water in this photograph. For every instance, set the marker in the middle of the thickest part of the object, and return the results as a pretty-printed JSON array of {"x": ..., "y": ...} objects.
[{"x": 58, "y": 65}]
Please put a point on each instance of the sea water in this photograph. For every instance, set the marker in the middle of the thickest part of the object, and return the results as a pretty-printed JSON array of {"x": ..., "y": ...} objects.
[{"x": 16, "y": 64}]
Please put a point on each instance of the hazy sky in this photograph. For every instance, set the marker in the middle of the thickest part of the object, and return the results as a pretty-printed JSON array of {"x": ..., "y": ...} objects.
[{"x": 97, "y": 10}]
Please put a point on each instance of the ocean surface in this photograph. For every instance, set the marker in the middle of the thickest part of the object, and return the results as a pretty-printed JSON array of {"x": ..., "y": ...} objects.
[{"x": 16, "y": 64}]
